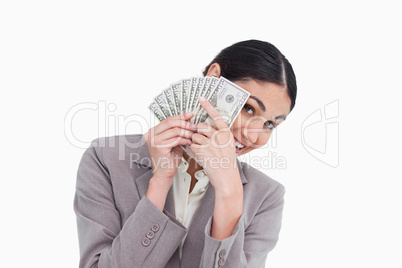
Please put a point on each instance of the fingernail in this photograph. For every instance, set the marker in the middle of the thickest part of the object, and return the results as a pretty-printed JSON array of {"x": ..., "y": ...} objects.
[
  {"x": 188, "y": 114},
  {"x": 194, "y": 126},
  {"x": 201, "y": 99}
]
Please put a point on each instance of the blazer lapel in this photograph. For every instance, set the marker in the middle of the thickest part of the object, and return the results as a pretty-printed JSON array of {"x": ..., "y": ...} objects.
[{"x": 194, "y": 244}]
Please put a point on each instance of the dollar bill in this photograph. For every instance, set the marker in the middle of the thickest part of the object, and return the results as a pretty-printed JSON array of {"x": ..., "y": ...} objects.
[
  {"x": 176, "y": 92},
  {"x": 185, "y": 86},
  {"x": 197, "y": 92},
  {"x": 169, "y": 99},
  {"x": 156, "y": 111},
  {"x": 191, "y": 91},
  {"x": 211, "y": 88},
  {"x": 207, "y": 82},
  {"x": 182, "y": 96},
  {"x": 228, "y": 99},
  {"x": 207, "y": 95},
  {"x": 161, "y": 101}
]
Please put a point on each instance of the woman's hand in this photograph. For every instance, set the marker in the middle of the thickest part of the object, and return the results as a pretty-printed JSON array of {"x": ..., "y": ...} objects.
[
  {"x": 216, "y": 152},
  {"x": 163, "y": 142},
  {"x": 215, "y": 149}
]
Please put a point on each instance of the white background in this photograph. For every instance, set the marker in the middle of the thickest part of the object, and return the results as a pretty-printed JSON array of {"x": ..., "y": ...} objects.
[{"x": 58, "y": 54}]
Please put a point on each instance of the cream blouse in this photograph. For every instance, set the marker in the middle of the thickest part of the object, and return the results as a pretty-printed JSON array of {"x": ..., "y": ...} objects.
[{"x": 187, "y": 204}]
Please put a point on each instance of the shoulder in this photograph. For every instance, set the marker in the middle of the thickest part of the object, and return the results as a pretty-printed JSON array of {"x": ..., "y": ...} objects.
[
  {"x": 114, "y": 143},
  {"x": 260, "y": 184},
  {"x": 263, "y": 196},
  {"x": 117, "y": 150}
]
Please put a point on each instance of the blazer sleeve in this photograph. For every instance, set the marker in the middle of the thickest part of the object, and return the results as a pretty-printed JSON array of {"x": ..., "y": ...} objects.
[
  {"x": 148, "y": 238},
  {"x": 247, "y": 246}
]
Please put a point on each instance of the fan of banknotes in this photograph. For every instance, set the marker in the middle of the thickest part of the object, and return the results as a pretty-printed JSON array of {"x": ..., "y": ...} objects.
[{"x": 182, "y": 97}]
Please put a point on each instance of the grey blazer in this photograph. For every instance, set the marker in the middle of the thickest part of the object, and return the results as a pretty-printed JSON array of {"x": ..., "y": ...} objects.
[{"x": 119, "y": 227}]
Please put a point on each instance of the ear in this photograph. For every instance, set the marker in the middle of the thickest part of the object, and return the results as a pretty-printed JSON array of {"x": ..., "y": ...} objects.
[{"x": 214, "y": 70}]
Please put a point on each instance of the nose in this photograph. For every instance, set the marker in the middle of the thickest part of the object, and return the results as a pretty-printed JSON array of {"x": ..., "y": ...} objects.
[{"x": 253, "y": 129}]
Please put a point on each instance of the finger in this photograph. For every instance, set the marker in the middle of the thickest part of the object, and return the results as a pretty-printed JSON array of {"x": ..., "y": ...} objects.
[
  {"x": 213, "y": 113},
  {"x": 173, "y": 142},
  {"x": 200, "y": 139},
  {"x": 185, "y": 116},
  {"x": 197, "y": 151},
  {"x": 175, "y": 132},
  {"x": 175, "y": 121},
  {"x": 205, "y": 129}
]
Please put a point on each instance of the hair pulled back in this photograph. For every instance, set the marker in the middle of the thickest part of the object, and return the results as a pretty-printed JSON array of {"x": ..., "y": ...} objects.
[{"x": 257, "y": 60}]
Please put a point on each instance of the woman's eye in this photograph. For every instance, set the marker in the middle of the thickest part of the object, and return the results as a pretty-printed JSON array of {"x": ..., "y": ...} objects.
[
  {"x": 270, "y": 125},
  {"x": 248, "y": 109}
]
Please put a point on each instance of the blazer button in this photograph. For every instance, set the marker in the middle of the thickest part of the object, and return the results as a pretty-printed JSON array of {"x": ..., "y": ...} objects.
[
  {"x": 221, "y": 261},
  {"x": 222, "y": 253},
  {"x": 155, "y": 227},
  {"x": 150, "y": 234},
  {"x": 146, "y": 242}
]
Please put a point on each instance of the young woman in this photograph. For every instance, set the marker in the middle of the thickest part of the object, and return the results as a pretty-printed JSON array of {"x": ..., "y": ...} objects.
[{"x": 141, "y": 202}]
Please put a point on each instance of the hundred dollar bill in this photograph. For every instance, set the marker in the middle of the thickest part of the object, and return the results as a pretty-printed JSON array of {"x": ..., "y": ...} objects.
[
  {"x": 185, "y": 85},
  {"x": 169, "y": 99},
  {"x": 191, "y": 91},
  {"x": 161, "y": 101},
  {"x": 228, "y": 99},
  {"x": 197, "y": 92},
  {"x": 211, "y": 88},
  {"x": 156, "y": 111},
  {"x": 207, "y": 82},
  {"x": 207, "y": 95},
  {"x": 176, "y": 91}
]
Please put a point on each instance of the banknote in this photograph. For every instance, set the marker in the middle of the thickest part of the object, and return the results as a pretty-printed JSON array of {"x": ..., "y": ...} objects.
[
  {"x": 161, "y": 101},
  {"x": 182, "y": 97},
  {"x": 207, "y": 82},
  {"x": 228, "y": 99},
  {"x": 169, "y": 99},
  {"x": 185, "y": 84},
  {"x": 212, "y": 86},
  {"x": 193, "y": 85},
  {"x": 156, "y": 111},
  {"x": 207, "y": 95},
  {"x": 194, "y": 101},
  {"x": 176, "y": 92}
]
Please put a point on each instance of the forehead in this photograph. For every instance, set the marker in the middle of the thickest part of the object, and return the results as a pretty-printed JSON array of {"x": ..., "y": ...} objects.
[{"x": 274, "y": 97}]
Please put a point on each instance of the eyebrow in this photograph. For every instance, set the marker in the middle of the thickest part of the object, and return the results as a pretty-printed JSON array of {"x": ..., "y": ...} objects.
[
  {"x": 280, "y": 117},
  {"x": 262, "y": 106}
]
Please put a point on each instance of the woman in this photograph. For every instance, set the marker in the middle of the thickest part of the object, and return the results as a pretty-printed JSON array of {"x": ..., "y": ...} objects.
[{"x": 141, "y": 202}]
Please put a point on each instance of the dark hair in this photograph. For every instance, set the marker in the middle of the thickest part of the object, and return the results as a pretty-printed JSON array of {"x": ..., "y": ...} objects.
[{"x": 259, "y": 60}]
